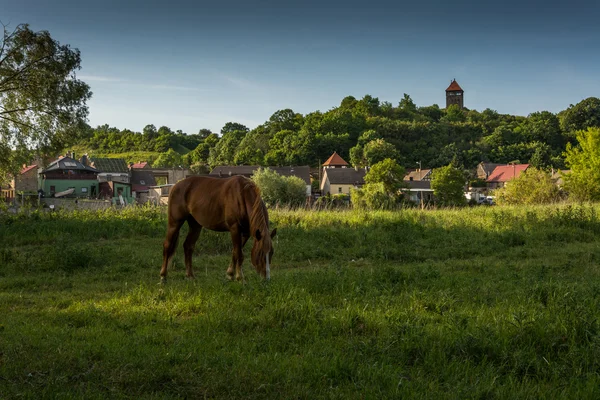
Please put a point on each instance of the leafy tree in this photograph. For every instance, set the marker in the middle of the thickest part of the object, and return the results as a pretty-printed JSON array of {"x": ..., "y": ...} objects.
[
  {"x": 454, "y": 114},
  {"x": 533, "y": 186},
  {"x": 168, "y": 159},
  {"x": 448, "y": 184},
  {"x": 277, "y": 189},
  {"x": 223, "y": 152},
  {"x": 583, "y": 115},
  {"x": 389, "y": 174},
  {"x": 232, "y": 127},
  {"x": 583, "y": 182},
  {"x": 378, "y": 150},
  {"x": 42, "y": 103}
]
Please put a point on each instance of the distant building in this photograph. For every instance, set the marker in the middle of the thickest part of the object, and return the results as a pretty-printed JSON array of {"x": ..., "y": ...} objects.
[
  {"x": 503, "y": 174},
  {"x": 67, "y": 173},
  {"x": 454, "y": 95},
  {"x": 341, "y": 180},
  {"x": 418, "y": 175}
]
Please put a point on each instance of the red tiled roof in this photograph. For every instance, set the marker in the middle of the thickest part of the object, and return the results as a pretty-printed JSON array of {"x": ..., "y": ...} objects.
[
  {"x": 335, "y": 159},
  {"x": 140, "y": 165},
  {"x": 504, "y": 173},
  {"x": 454, "y": 87},
  {"x": 29, "y": 168}
]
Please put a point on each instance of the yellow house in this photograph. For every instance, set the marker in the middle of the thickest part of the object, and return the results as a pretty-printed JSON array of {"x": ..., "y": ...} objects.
[
  {"x": 341, "y": 180},
  {"x": 338, "y": 178}
]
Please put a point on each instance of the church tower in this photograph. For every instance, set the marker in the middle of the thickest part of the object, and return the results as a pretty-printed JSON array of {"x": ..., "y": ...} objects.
[{"x": 454, "y": 94}]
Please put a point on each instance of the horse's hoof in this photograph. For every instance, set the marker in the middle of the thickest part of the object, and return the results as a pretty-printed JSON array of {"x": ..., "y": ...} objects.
[
  {"x": 163, "y": 280},
  {"x": 191, "y": 278}
]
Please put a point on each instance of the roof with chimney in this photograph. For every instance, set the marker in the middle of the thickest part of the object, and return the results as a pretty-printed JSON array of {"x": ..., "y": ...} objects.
[
  {"x": 335, "y": 160},
  {"x": 505, "y": 173},
  {"x": 454, "y": 87},
  {"x": 68, "y": 163}
]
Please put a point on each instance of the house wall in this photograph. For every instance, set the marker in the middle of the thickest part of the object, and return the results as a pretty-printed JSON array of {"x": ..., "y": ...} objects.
[
  {"x": 27, "y": 182},
  {"x": 90, "y": 186},
  {"x": 335, "y": 189}
]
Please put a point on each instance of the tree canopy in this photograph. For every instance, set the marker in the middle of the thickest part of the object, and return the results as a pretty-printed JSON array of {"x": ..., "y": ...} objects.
[{"x": 42, "y": 103}]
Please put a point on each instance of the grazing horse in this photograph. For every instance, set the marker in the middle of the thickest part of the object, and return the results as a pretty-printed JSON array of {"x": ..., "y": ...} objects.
[{"x": 219, "y": 204}]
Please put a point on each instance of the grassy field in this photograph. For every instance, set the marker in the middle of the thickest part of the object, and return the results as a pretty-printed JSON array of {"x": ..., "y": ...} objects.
[{"x": 483, "y": 303}]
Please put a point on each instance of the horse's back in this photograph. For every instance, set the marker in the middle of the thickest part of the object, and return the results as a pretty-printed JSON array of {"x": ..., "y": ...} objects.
[{"x": 213, "y": 202}]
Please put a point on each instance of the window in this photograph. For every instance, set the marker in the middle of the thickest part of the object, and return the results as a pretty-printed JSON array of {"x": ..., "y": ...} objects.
[
  {"x": 83, "y": 190},
  {"x": 142, "y": 182},
  {"x": 53, "y": 188},
  {"x": 340, "y": 189}
]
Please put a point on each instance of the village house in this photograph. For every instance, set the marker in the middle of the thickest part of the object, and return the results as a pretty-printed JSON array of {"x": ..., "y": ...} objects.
[
  {"x": 504, "y": 173},
  {"x": 69, "y": 177},
  {"x": 342, "y": 180},
  {"x": 484, "y": 169}
]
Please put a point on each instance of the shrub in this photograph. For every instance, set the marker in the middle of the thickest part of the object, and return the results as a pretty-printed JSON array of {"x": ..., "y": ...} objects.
[{"x": 280, "y": 190}]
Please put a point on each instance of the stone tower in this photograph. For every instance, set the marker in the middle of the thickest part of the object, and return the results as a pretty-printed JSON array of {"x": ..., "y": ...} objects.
[{"x": 454, "y": 94}]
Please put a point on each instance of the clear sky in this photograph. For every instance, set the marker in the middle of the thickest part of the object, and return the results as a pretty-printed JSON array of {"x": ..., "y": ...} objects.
[{"x": 197, "y": 64}]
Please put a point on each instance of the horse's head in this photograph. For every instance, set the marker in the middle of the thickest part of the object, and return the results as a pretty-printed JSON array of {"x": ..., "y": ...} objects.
[{"x": 262, "y": 252}]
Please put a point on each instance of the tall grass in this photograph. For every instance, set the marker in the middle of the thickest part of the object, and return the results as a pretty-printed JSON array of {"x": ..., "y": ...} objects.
[{"x": 490, "y": 302}]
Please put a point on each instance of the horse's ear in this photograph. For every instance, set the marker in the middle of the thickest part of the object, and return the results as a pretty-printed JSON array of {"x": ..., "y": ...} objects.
[
  {"x": 273, "y": 233},
  {"x": 258, "y": 236}
]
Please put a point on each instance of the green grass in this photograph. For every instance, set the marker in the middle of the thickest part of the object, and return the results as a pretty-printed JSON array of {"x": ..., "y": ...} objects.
[{"x": 488, "y": 302}]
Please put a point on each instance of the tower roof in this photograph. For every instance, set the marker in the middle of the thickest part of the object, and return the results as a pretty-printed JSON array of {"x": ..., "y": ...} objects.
[
  {"x": 454, "y": 87},
  {"x": 335, "y": 159}
]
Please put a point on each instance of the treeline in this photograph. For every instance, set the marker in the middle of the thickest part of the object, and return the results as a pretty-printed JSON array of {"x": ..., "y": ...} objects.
[{"x": 364, "y": 132}]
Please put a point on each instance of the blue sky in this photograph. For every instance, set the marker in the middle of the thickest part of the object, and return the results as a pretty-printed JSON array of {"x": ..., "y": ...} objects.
[{"x": 197, "y": 64}]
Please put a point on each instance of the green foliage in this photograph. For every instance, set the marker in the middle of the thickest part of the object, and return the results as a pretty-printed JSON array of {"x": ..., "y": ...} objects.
[
  {"x": 223, "y": 153},
  {"x": 280, "y": 190},
  {"x": 533, "y": 186},
  {"x": 382, "y": 187},
  {"x": 169, "y": 159},
  {"x": 378, "y": 150},
  {"x": 448, "y": 184},
  {"x": 389, "y": 174},
  {"x": 42, "y": 103},
  {"x": 583, "y": 182},
  {"x": 583, "y": 115}
]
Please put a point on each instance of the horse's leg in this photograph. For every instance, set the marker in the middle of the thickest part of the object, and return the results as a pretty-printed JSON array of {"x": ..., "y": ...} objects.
[
  {"x": 233, "y": 267},
  {"x": 237, "y": 257},
  {"x": 169, "y": 246},
  {"x": 190, "y": 243}
]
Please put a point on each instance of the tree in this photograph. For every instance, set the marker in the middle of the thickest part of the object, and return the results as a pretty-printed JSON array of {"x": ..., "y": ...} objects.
[
  {"x": 42, "y": 103},
  {"x": 389, "y": 174},
  {"x": 382, "y": 187},
  {"x": 169, "y": 159},
  {"x": 232, "y": 127},
  {"x": 448, "y": 185},
  {"x": 533, "y": 186},
  {"x": 583, "y": 115},
  {"x": 583, "y": 182},
  {"x": 378, "y": 150},
  {"x": 277, "y": 189}
]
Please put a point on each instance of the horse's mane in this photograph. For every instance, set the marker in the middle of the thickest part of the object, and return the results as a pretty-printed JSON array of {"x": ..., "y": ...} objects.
[{"x": 258, "y": 214}]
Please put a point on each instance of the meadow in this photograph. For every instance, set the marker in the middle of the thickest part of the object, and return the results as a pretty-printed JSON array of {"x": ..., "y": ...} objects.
[{"x": 487, "y": 302}]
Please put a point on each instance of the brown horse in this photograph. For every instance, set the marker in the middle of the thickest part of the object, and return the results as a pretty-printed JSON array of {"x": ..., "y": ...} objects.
[{"x": 219, "y": 204}]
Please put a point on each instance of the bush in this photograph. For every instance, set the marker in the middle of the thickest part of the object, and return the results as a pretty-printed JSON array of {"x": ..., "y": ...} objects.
[
  {"x": 533, "y": 186},
  {"x": 280, "y": 190}
]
